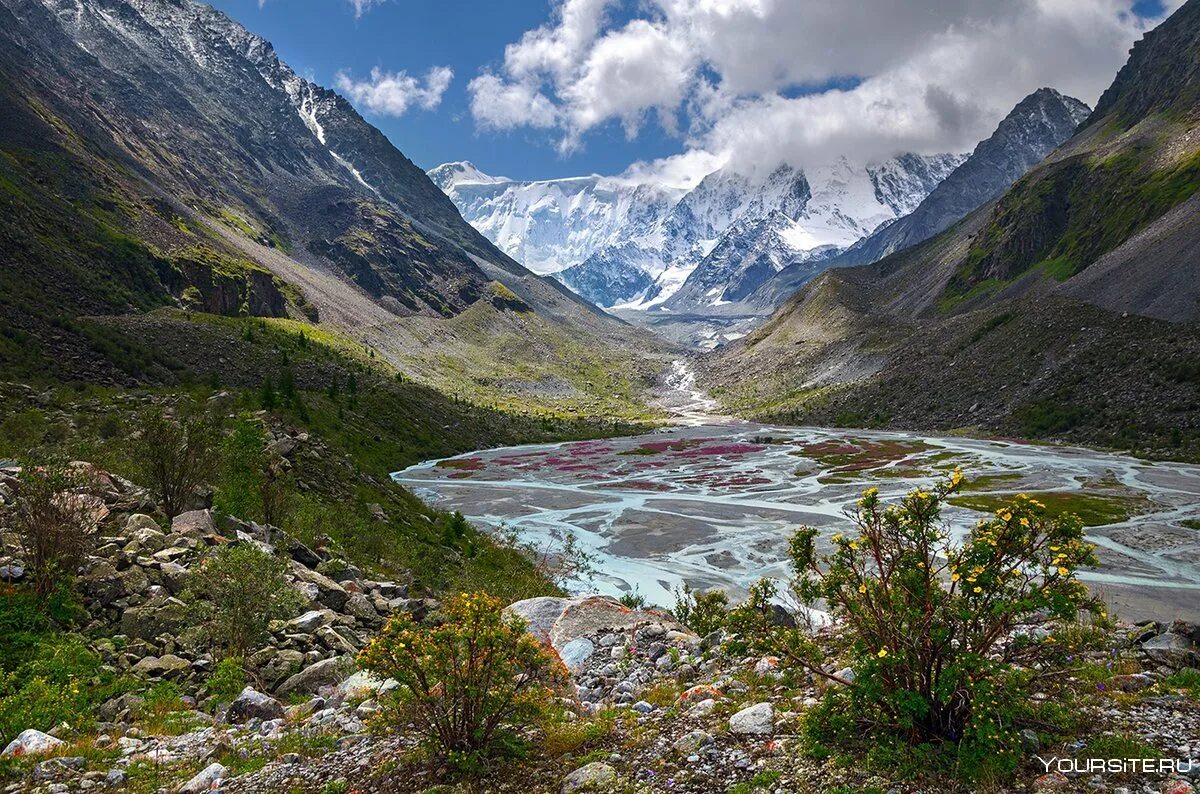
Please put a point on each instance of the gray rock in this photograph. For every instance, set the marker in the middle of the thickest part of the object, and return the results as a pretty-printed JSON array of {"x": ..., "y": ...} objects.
[
  {"x": 576, "y": 653},
  {"x": 31, "y": 742},
  {"x": 329, "y": 592},
  {"x": 1172, "y": 650},
  {"x": 207, "y": 779},
  {"x": 310, "y": 621},
  {"x": 756, "y": 720},
  {"x": 596, "y": 776},
  {"x": 11, "y": 573},
  {"x": 252, "y": 703},
  {"x": 360, "y": 607}
]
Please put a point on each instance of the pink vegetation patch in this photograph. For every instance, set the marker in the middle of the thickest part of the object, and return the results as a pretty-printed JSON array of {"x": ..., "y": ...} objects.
[
  {"x": 637, "y": 485},
  {"x": 726, "y": 450}
]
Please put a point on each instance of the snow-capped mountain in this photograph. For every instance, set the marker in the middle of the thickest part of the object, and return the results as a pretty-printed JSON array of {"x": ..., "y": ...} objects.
[
  {"x": 645, "y": 245},
  {"x": 550, "y": 225}
]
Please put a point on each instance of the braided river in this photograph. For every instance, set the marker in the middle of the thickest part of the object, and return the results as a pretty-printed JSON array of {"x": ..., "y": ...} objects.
[{"x": 712, "y": 501}]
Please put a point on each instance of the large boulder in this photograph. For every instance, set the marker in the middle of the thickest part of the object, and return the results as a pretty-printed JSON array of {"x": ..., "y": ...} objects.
[
  {"x": 310, "y": 621},
  {"x": 563, "y": 622},
  {"x": 1173, "y": 650},
  {"x": 148, "y": 622},
  {"x": 31, "y": 742},
  {"x": 327, "y": 672},
  {"x": 252, "y": 703},
  {"x": 756, "y": 720}
]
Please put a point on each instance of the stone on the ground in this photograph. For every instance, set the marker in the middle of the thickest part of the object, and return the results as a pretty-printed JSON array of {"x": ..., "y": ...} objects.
[
  {"x": 31, "y": 742},
  {"x": 329, "y": 592},
  {"x": 207, "y": 779},
  {"x": 1173, "y": 650},
  {"x": 252, "y": 703},
  {"x": 596, "y": 776},
  {"x": 148, "y": 622},
  {"x": 756, "y": 720}
]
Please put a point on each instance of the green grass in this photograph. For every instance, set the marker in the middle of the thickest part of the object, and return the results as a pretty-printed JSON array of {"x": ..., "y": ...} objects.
[
  {"x": 1093, "y": 509},
  {"x": 1075, "y": 211}
]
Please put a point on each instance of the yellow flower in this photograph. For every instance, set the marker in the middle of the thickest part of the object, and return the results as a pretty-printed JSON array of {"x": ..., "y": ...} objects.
[
  {"x": 1063, "y": 571},
  {"x": 882, "y": 653},
  {"x": 862, "y": 588},
  {"x": 836, "y": 537},
  {"x": 954, "y": 577},
  {"x": 978, "y": 589},
  {"x": 871, "y": 492}
]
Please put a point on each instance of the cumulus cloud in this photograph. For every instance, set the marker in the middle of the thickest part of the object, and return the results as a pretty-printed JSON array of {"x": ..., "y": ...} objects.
[
  {"x": 750, "y": 79},
  {"x": 393, "y": 93}
]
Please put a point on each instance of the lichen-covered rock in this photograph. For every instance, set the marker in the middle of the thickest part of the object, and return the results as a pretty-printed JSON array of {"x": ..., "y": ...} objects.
[
  {"x": 596, "y": 776},
  {"x": 148, "y": 622},
  {"x": 327, "y": 672}
]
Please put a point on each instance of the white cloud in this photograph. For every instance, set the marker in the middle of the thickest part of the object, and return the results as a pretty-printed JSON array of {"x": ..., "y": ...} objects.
[
  {"x": 393, "y": 93},
  {"x": 363, "y": 6},
  {"x": 501, "y": 105},
  {"x": 749, "y": 77}
]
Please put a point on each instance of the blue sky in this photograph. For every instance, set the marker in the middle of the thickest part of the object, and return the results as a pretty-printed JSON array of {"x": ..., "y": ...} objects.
[
  {"x": 318, "y": 38},
  {"x": 589, "y": 87}
]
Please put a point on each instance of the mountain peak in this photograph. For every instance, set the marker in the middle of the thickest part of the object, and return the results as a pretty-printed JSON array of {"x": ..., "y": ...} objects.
[
  {"x": 1162, "y": 73},
  {"x": 462, "y": 172}
]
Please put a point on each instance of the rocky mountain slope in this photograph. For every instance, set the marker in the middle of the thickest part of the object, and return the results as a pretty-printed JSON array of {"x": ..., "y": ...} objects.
[
  {"x": 157, "y": 153},
  {"x": 620, "y": 242},
  {"x": 1034, "y": 128},
  {"x": 1068, "y": 306}
]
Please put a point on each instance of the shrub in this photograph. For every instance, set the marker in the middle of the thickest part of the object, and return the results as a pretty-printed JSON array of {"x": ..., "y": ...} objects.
[
  {"x": 56, "y": 521},
  {"x": 228, "y": 679},
  {"x": 238, "y": 591},
  {"x": 467, "y": 680},
  {"x": 175, "y": 457},
  {"x": 243, "y": 459},
  {"x": 927, "y": 622},
  {"x": 703, "y": 613},
  {"x": 633, "y": 599}
]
